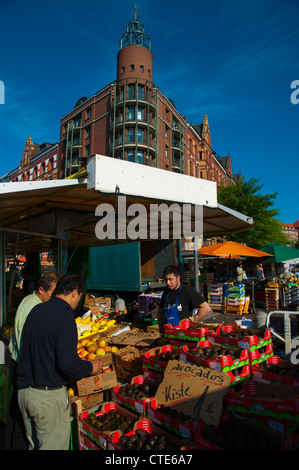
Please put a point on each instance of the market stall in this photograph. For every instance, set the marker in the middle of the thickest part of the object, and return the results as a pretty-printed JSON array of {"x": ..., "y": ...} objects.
[{"x": 35, "y": 216}]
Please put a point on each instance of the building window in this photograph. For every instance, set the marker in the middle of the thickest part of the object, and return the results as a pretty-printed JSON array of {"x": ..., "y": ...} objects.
[
  {"x": 140, "y": 136},
  {"x": 141, "y": 68},
  {"x": 166, "y": 151},
  {"x": 131, "y": 113},
  {"x": 166, "y": 132},
  {"x": 166, "y": 113},
  {"x": 140, "y": 114},
  {"x": 131, "y": 92},
  {"x": 132, "y": 67},
  {"x": 87, "y": 150},
  {"x": 131, "y": 134},
  {"x": 88, "y": 113},
  {"x": 123, "y": 70},
  {"x": 140, "y": 157},
  {"x": 130, "y": 156},
  {"x": 140, "y": 92},
  {"x": 87, "y": 132}
]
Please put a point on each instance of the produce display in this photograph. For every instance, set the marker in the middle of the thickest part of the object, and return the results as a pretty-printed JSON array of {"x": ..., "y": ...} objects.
[
  {"x": 234, "y": 435},
  {"x": 143, "y": 440},
  {"x": 258, "y": 411},
  {"x": 92, "y": 348}
]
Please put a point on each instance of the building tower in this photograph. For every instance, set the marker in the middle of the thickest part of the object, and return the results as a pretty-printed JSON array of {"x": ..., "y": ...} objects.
[{"x": 134, "y": 101}]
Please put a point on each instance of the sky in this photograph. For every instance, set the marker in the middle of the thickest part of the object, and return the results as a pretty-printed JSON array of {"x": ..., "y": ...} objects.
[{"x": 234, "y": 60}]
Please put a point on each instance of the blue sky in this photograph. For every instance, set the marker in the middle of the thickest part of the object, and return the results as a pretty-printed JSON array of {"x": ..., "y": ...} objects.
[{"x": 233, "y": 60}]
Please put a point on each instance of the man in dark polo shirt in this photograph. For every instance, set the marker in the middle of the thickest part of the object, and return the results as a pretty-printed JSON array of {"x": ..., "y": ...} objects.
[
  {"x": 178, "y": 301},
  {"x": 48, "y": 361}
]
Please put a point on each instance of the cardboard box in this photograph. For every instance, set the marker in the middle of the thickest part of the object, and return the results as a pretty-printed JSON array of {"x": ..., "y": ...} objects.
[
  {"x": 134, "y": 404},
  {"x": 99, "y": 438},
  {"x": 276, "y": 370},
  {"x": 186, "y": 331},
  {"x": 135, "y": 337},
  {"x": 174, "y": 442},
  {"x": 154, "y": 378},
  {"x": 262, "y": 399},
  {"x": 87, "y": 401},
  {"x": 237, "y": 369},
  {"x": 241, "y": 338},
  {"x": 174, "y": 424},
  {"x": 97, "y": 383},
  {"x": 94, "y": 301},
  {"x": 261, "y": 355},
  {"x": 151, "y": 359},
  {"x": 127, "y": 363},
  {"x": 235, "y": 434}
]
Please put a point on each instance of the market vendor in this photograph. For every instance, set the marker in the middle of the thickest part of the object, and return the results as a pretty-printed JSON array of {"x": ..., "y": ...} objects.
[
  {"x": 48, "y": 361},
  {"x": 179, "y": 300}
]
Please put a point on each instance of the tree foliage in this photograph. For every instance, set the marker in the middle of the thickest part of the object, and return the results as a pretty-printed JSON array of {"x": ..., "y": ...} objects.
[{"x": 245, "y": 197}]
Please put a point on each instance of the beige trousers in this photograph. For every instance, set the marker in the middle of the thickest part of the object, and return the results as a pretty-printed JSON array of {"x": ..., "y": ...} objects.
[{"x": 46, "y": 415}]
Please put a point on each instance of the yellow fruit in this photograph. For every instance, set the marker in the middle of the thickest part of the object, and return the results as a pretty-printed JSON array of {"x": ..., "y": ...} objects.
[
  {"x": 86, "y": 333},
  {"x": 71, "y": 392},
  {"x": 100, "y": 352},
  {"x": 114, "y": 349},
  {"x": 101, "y": 343}
]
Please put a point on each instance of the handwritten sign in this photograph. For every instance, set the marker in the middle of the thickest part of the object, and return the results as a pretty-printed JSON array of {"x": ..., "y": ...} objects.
[
  {"x": 196, "y": 391},
  {"x": 135, "y": 337}
]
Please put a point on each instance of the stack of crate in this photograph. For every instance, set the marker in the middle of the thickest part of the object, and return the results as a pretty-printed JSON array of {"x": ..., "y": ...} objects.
[
  {"x": 272, "y": 298},
  {"x": 215, "y": 295},
  {"x": 236, "y": 298}
]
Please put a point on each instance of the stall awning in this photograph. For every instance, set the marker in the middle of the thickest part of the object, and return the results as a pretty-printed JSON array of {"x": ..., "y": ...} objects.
[{"x": 38, "y": 212}]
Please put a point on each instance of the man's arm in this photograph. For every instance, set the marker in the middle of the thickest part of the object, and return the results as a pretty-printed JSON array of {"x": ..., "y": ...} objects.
[{"x": 203, "y": 310}]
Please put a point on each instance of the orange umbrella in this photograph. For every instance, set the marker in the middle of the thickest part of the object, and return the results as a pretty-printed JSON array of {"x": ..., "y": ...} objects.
[{"x": 231, "y": 250}]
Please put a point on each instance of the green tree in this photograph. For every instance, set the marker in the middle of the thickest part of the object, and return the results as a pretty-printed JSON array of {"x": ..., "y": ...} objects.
[{"x": 245, "y": 197}]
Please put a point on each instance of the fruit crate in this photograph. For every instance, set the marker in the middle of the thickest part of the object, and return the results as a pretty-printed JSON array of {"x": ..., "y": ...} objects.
[
  {"x": 147, "y": 436},
  {"x": 243, "y": 338},
  {"x": 261, "y": 355},
  {"x": 124, "y": 394},
  {"x": 154, "y": 378},
  {"x": 89, "y": 424},
  {"x": 237, "y": 368},
  {"x": 232, "y": 433},
  {"x": 276, "y": 370},
  {"x": 185, "y": 331},
  {"x": 168, "y": 418},
  {"x": 156, "y": 359},
  {"x": 274, "y": 401}
]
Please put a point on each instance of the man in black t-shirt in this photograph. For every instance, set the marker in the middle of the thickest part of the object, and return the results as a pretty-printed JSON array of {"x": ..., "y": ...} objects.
[{"x": 178, "y": 300}]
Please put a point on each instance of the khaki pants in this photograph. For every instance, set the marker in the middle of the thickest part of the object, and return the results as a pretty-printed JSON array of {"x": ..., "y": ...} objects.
[{"x": 46, "y": 416}]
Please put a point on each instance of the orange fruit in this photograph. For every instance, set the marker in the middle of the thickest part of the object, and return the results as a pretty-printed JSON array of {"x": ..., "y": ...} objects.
[
  {"x": 90, "y": 356},
  {"x": 92, "y": 348},
  {"x": 83, "y": 353}
]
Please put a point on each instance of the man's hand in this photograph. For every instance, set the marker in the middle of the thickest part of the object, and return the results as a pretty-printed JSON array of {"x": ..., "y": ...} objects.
[{"x": 97, "y": 367}]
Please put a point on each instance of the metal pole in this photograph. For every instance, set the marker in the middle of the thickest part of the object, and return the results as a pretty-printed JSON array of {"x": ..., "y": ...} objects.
[
  {"x": 196, "y": 279},
  {"x": 2, "y": 280}
]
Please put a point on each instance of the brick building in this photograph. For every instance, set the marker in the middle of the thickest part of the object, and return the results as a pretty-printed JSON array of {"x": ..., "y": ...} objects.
[
  {"x": 128, "y": 119},
  {"x": 132, "y": 119},
  {"x": 39, "y": 162}
]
